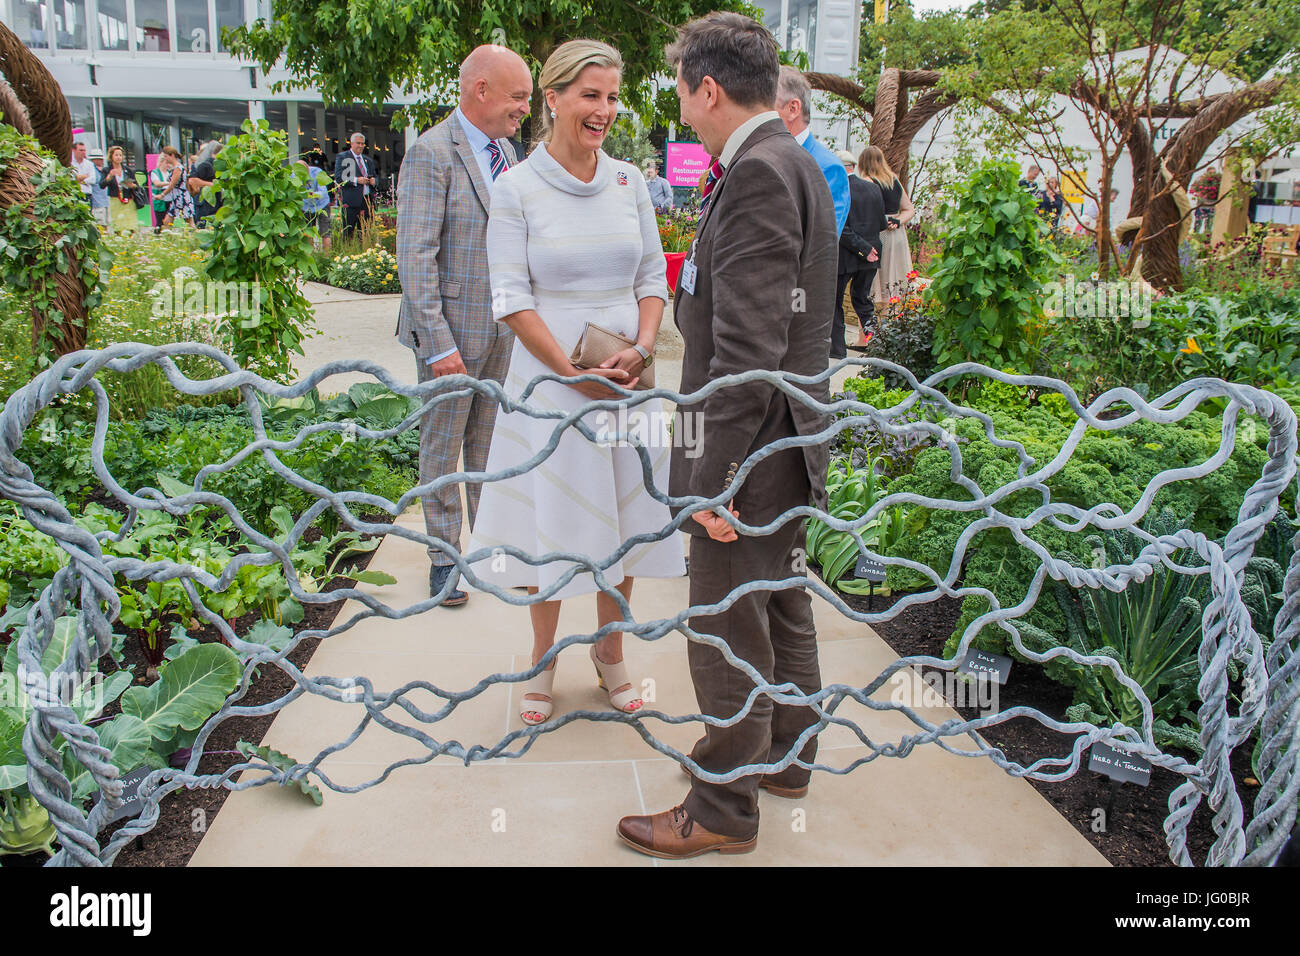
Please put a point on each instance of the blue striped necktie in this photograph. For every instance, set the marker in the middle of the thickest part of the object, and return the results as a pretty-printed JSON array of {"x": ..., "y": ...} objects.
[{"x": 497, "y": 160}]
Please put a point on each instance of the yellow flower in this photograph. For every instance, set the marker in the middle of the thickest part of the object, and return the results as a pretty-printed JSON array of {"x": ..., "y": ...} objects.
[{"x": 1192, "y": 348}]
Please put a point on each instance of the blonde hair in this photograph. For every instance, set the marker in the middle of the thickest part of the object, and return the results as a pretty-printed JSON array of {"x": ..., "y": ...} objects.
[
  {"x": 871, "y": 163},
  {"x": 564, "y": 65}
]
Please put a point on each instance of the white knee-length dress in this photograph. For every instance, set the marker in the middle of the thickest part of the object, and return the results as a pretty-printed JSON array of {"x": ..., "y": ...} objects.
[{"x": 576, "y": 253}]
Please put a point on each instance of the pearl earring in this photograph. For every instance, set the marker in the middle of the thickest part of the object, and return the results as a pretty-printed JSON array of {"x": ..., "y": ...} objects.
[{"x": 552, "y": 114}]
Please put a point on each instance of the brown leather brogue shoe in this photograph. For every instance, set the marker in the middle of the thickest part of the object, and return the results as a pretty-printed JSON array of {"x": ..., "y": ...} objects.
[
  {"x": 772, "y": 784},
  {"x": 787, "y": 783},
  {"x": 673, "y": 835}
]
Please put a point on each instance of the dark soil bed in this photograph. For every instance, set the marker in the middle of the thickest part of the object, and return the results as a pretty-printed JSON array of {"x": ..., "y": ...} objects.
[
  {"x": 180, "y": 825},
  {"x": 1134, "y": 834},
  {"x": 180, "y": 828}
]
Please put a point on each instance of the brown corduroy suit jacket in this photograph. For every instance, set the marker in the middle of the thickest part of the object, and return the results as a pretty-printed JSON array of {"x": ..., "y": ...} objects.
[{"x": 766, "y": 254}]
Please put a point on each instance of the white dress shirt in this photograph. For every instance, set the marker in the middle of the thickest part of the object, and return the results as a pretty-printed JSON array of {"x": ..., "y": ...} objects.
[
  {"x": 363, "y": 170},
  {"x": 741, "y": 133},
  {"x": 87, "y": 168}
]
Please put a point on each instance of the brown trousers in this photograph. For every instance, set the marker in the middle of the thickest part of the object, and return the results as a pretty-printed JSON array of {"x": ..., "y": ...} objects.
[{"x": 773, "y": 631}]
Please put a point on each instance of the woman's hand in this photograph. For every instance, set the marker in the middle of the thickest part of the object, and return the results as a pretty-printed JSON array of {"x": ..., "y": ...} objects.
[
  {"x": 628, "y": 361},
  {"x": 596, "y": 390}
]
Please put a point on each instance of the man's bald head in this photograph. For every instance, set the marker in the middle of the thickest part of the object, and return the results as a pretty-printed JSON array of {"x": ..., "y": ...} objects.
[{"x": 495, "y": 88}]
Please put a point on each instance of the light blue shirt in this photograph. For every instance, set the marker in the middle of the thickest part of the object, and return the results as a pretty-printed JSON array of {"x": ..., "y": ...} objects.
[
  {"x": 478, "y": 141},
  {"x": 98, "y": 193},
  {"x": 661, "y": 194},
  {"x": 836, "y": 176},
  {"x": 318, "y": 199}
]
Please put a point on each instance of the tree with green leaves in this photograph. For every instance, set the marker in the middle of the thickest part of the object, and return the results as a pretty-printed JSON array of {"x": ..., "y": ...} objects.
[
  {"x": 360, "y": 50},
  {"x": 1148, "y": 76},
  {"x": 896, "y": 90},
  {"x": 1142, "y": 72}
]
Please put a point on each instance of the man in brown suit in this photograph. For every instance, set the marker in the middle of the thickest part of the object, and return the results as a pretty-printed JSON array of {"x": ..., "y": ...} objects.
[{"x": 755, "y": 293}]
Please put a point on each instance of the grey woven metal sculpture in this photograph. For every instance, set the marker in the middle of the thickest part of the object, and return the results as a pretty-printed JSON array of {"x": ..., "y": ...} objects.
[{"x": 1270, "y": 700}]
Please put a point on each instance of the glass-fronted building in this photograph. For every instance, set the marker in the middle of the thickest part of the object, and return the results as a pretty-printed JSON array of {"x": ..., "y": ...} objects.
[{"x": 148, "y": 73}]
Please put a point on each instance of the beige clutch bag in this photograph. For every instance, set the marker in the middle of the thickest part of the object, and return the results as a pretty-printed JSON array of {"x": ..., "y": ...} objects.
[{"x": 597, "y": 344}]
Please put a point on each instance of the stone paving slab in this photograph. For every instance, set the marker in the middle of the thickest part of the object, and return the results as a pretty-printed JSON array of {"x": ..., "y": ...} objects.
[{"x": 560, "y": 802}]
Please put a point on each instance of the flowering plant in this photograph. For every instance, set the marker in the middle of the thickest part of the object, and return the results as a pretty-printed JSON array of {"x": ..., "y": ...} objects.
[
  {"x": 677, "y": 229},
  {"x": 906, "y": 335},
  {"x": 373, "y": 272},
  {"x": 1206, "y": 187}
]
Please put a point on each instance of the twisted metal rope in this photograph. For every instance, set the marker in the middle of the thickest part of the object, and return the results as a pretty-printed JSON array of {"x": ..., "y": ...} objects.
[{"x": 1270, "y": 700}]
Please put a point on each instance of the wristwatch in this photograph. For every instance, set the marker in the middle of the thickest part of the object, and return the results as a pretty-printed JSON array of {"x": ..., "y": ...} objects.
[{"x": 647, "y": 358}]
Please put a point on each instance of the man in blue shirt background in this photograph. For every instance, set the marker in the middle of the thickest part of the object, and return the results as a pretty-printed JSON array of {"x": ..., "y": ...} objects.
[
  {"x": 794, "y": 104},
  {"x": 661, "y": 193}
]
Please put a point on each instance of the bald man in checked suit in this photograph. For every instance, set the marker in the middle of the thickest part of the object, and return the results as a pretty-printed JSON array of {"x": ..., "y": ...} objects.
[{"x": 443, "y": 199}]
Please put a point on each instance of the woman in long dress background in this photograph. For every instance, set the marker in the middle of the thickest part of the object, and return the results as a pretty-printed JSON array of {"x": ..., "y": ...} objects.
[
  {"x": 895, "y": 253},
  {"x": 572, "y": 238}
]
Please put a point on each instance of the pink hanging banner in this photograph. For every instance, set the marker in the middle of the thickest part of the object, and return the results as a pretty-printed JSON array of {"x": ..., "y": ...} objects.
[{"x": 687, "y": 162}]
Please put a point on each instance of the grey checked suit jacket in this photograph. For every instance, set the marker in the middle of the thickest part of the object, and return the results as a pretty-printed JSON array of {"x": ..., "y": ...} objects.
[{"x": 442, "y": 215}]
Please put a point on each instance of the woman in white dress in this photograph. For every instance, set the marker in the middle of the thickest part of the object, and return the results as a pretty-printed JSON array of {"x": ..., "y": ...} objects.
[{"x": 572, "y": 238}]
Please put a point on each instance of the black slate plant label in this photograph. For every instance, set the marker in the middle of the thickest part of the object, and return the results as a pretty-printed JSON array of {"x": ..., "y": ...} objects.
[
  {"x": 869, "y": 569},
  {"x": 977, "y": 662},
  {"x": 132, "y": 798},
  {"x": 1118, "y": 765}
]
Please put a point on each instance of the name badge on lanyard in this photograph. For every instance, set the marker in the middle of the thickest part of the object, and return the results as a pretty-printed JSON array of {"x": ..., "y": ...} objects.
[{"x": 689, "y": 273}]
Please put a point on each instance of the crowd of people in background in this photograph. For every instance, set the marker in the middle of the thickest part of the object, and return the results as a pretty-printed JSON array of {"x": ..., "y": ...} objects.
[
  {"x": 175, "y": 189},
  {"x": 1050, "y": 201}
]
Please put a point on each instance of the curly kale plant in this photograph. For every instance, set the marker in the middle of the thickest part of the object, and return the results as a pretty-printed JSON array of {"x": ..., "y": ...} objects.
[{"x": 1113, "y": 467}]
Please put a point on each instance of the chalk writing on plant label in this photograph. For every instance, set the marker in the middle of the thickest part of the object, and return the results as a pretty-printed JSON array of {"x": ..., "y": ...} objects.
[
  {"x": 996, "y": 666},
  {"x": 1118, "y": 765}
]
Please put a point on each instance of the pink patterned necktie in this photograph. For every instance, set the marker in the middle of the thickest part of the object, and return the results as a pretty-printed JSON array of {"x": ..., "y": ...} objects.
[{"x": 715, "y": 173}]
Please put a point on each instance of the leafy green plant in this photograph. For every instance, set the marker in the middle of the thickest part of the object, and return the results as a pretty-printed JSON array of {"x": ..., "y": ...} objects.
[
  {"x": 1110, "y": 466},
  {"x": 1152, "y": 628},
  {"x": 25, "y": 825},
  {"x": 891, "y": 454},
  {"x": 56, "y": 236},
  {"x": 986, "y": 283},
  {"x": 257, "y": 239},
  {"x": 283, "y": 763},
  {"x": 906, "y": 335},
  {"x": 851, "y": 493},
  {"x": 189, "y": 690}
]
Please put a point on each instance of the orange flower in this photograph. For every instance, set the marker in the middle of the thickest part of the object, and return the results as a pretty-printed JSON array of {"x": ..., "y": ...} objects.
[
  {"x": 893, "y": 300},
  {"x": 1192, "y": 348}
]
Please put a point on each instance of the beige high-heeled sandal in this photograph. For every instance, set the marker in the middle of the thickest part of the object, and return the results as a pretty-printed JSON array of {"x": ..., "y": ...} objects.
[
  {"x": 615, "y": 675},
  {"x": 541, "y": 684}
]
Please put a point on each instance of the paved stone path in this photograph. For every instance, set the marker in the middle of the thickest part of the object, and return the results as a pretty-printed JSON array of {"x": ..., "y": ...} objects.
[{"x": 559, "y": 803}]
